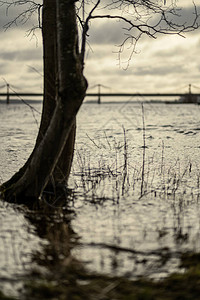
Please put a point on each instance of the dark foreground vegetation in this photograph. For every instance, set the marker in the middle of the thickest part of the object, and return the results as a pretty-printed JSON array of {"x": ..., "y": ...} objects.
[
  {"x": 74, "y": 283},
  {"x": 58, "y": 275}
]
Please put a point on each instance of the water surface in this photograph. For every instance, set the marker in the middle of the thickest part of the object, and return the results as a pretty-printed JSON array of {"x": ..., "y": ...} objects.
[{"x": 124, "y": 229}]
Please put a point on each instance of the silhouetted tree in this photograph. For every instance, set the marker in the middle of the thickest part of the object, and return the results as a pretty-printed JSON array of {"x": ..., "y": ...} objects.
[{"x": 64, "y": 83}]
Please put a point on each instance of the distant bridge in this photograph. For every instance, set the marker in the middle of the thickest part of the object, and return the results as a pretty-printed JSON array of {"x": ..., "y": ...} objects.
[
  {"x": 101, "y": 94},
  {"x": 189, "y": 96},
  {"x": 9, "y": 96},
  {"x": 138, "y": 94}
]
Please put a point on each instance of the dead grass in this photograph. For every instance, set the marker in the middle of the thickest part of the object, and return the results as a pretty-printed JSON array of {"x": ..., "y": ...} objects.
[{"x": 114, "y": 173}]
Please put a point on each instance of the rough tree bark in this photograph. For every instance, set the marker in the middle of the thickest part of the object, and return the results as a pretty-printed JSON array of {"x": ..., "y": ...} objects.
[
  {"x": 71, "y": 87},
  {"x": 49, "y": 64},
  {"x": 63, "y": 166}
]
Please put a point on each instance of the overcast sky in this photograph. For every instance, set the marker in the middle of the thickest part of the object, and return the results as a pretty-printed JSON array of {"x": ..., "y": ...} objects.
[{"x": 167, "y": 64}]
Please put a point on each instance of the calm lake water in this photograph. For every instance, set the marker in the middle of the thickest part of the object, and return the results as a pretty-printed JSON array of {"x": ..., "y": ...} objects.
[{"x": 136, "y": 181}]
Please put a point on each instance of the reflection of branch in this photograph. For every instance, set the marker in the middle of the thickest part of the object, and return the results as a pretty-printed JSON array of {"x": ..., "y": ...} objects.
[{"x": 113, "y": 247}]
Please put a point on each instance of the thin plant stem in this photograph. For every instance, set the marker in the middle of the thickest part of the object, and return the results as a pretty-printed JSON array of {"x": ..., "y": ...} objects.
[
  {"x": 144, "y": 152},
  {"x": 125, "y": 167}
]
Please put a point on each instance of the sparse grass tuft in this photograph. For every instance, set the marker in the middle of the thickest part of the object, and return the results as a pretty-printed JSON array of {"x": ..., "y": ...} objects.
[{"x": 116, "y": 173}]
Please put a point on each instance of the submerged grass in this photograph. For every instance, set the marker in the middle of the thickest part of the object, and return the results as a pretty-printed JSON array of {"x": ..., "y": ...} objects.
[
  {"x": 4, "y": 297},
  {"x": 113, "y": 175},
  {"x": 65, "y": 278},
  {"x": 58, "y": 275},
  {"x": 115, "y": 172},
  {"x": 76, "y": 284}
]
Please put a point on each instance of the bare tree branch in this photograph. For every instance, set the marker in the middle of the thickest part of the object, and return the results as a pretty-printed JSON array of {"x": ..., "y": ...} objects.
[
  {"x": 85, "y": 30},
  {"x": 29, "y": 9},
  {"x": 140, "y": 17}
]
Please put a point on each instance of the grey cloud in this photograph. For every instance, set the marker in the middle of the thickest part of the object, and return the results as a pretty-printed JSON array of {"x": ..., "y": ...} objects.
[
  {"x": 187, "y": 15},
  {"x": 106, "y": 32},
  {"x": 159, "y": 70},
  {"x": 149, "y": 70},
  {"x": 109, "y": 31},
  {"x": 182, "y": 18},
  {"x": 33, "y": 54},
  {"x": 174, "y": 51},
  {"x": 3, "y": 68},
  {"x": 169, "y": 52}
]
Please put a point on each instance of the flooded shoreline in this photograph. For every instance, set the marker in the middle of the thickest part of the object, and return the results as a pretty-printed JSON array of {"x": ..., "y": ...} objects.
[{"x": 120, "y": 231}]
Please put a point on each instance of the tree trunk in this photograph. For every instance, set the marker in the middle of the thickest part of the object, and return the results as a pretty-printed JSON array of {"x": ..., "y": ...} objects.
[
  {"x": 63, "y": 167},
  {"x": 49, "y": 65},
  {"x": 61, "y": 128}
]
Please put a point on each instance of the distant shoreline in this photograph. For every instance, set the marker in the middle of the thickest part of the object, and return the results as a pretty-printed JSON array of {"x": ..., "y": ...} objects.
[
  {"x": 32, "y": 101},
  {"x": 18, "y": 101}
]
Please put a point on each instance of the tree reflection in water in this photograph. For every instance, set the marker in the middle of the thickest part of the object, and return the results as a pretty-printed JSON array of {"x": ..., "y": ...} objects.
[{"x": 57, "y": 273}]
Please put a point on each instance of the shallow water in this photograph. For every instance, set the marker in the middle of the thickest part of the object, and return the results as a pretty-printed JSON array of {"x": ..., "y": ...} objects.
[
  {"x": 166, "y": 219},
  {"x": 18, "y": 239},
  {"x": 122, "y": 230}
]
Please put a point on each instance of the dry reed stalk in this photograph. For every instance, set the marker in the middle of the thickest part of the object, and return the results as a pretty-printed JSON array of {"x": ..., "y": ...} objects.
[{"x": 144, "y": 152}]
